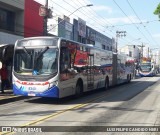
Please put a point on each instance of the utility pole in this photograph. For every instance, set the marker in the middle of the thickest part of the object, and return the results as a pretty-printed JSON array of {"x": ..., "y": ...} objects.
[
  {"x": 119, "y": 34},
  {"x": 148, "y": 53},
  {"x": 45, "y": 18},
  {"x": 115, "y": 61},
  {"x": 142, "y": 51},
  {"x": 46, "y": 13}
]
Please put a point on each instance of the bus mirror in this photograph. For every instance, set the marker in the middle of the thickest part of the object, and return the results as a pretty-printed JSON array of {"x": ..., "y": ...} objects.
[{"x": 4, "y": 52}]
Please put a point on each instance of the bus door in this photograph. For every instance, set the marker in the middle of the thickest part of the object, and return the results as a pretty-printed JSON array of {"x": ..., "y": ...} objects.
[
  {"x": 90, "y": 72},
  {"x": 66, "y": 74}
]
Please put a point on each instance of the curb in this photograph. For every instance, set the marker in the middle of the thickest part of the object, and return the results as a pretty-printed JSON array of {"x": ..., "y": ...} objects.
[{"x": 11, "y": 98}]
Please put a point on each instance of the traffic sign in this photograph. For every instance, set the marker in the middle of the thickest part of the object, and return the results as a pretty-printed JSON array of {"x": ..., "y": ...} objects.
[{"x": 43, "y": 11}]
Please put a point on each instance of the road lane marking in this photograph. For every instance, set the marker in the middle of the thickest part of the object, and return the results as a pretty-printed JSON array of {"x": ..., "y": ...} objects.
[{"x": 78, "y": 106}]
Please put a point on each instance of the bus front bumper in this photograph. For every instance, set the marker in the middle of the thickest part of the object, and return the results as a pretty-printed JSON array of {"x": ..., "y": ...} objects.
[{"x": 52, "y": 92}]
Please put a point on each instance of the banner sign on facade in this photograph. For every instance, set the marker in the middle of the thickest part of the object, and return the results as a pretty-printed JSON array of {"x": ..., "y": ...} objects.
[{"x": 81, "y": 27}]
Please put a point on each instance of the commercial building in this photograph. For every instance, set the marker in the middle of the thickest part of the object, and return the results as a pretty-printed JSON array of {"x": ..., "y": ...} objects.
[
  {"x": 80, "y": 32},
  {"x": 86, "y": 34},
  {"x": 131, "y": 50},
  {"x": 18, "y": 19},
  {"x": 140, "y": 51},
  {"x": 33, "y": 23}
]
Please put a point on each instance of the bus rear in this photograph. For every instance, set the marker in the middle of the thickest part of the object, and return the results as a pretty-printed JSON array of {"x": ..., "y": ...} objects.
[{"x": 35, "y": 67}]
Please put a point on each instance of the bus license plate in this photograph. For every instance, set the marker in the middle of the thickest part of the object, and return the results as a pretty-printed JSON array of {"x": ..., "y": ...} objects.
[{"x": 31, "y": 94}]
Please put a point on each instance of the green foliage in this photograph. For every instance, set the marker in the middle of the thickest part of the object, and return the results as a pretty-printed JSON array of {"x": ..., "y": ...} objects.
[{"x": 157, "y": 11}]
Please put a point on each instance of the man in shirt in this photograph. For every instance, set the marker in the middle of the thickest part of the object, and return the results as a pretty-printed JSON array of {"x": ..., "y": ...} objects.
[{"x": 4, "y": 79}]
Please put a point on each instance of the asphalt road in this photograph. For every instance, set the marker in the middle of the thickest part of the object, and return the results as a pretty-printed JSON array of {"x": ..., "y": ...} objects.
[{"x": 133, "y": 104}]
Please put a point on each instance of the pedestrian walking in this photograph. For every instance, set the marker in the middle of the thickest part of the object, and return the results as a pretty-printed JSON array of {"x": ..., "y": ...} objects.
[{"x": 4, "y": 79}]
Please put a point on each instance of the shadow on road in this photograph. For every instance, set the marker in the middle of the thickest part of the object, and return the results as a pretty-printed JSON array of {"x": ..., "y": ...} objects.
[{"x": 122, "y": 92}]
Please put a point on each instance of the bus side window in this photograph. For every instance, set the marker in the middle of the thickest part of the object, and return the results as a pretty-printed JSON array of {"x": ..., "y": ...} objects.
[{"x": 64, "y": 59}]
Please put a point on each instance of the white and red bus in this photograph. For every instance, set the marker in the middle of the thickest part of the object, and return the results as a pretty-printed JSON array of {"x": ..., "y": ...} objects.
[
  {"x": 148, "y": 67},
  {"x": 58, "y": 67}
]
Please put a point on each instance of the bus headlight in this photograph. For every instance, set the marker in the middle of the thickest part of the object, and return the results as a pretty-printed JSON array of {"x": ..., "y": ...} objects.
[{"x": 55, "y": 83}]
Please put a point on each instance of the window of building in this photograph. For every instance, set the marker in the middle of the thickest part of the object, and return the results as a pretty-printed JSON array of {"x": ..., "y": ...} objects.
[
  {"x": 68, "y": 35},
  {"x": 7, "y": 19},
  {"x": 83, "y": 40},
  {"x": 79, "y": 39},
  {"x": 90, "y": 42},
  {"x": 103, "y": 47}
]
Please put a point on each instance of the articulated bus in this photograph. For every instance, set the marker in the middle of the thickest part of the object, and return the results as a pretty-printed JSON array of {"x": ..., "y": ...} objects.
[{"x": 58, "y": 67}]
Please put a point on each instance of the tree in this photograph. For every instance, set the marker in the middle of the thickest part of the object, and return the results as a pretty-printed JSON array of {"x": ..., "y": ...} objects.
[{"x": 157, "y": 11}]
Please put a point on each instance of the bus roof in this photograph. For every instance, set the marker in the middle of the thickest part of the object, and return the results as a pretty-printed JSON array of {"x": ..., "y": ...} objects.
[{"x": 61, "y": 38}]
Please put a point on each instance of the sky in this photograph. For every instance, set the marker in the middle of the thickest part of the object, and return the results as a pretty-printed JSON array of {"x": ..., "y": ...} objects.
[{"x": 108, "y": 16}]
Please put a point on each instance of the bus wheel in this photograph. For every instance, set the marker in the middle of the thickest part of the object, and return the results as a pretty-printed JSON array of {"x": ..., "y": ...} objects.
[
  {"x": 79, "y": 89},
  {"x": 106, "y": 84}
]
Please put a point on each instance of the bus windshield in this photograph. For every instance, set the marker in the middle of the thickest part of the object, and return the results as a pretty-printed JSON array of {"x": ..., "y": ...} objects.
[
  {"x": 145, "y": 67},
  {"x": 37, "y": 61}
]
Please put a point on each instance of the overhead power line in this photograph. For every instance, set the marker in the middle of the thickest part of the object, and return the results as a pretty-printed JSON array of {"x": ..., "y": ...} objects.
[
  {"x": 101, "y": 28},
  {"x": 147, "y": 22},
  {"x": 131, "y": 20},
  {"x": 103, "y": 20},
  {"x": 110, "y": 25},
  {"x": 74, "y": 14},
  {"x": 141, "y": 21}
]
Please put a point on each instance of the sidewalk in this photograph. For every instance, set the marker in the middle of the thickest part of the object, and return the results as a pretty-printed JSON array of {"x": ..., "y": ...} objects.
[
  {"x": 8, "y": 96},
  {"x": 7, "y": 92}
]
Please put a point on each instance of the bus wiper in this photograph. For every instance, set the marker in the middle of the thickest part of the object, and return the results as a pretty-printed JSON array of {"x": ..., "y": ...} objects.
[
  {"x": 42, "y": 52},
  {"x": 25, "y": 50}
]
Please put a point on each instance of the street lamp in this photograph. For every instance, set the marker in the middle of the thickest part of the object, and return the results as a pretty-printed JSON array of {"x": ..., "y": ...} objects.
[{"x": 89, "y": 5}]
